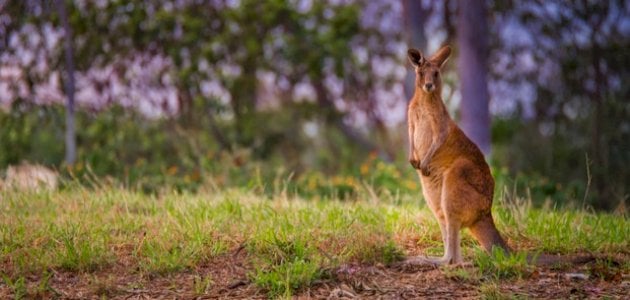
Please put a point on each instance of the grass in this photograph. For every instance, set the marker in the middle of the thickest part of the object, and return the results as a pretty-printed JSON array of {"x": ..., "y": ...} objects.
[
  {"x": 565, "y": 230},
  {"x": 492, "y": 291},
  {"x": 290, "y": 242},
  {"x": 17, "y": 286},
  {"x": 499, "y": 265},
  {"x": 201, "y": 284}
]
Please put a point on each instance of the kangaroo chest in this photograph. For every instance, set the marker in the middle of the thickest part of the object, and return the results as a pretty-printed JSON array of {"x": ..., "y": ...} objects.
[{"x": 421, "y": 121}]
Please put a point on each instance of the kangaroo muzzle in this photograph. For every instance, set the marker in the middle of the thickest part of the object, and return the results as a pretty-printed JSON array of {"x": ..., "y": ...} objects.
[{"x": 428, "y": 87}]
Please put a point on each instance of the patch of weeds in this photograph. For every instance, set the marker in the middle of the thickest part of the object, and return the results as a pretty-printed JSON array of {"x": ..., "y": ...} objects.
[
  {"x": 104, "y": 288},
  {"x": 460, "y": 274},
  {"x": 390, "y": 253},
  {"x": 285, "y": 261},
  {"x": 204, "y": 244},
  {"x": 44, "y": 290},
  {"x": 160, "y": 258},
  {"x": 284, "y": 279},
  {"x": 201, "y": 284},
  {"x": 564, "y": 231},
  {"x": 18, "y": 286},
  {"x": 436, "y": 251},
  {"x": 384, "y": 252},
  {"x": 276, "y": 245},
  {"x": 607, "y": 270},
  {"x": 35, "y": 290},
  {"x": 218, "y": 247},
  {"x": 501, "y": 265},
  {"x": 81, "y": 251},
  {"x": 23, "y": 247},
  {"x": 367, "y": 243},
  {"x": 135, "y": 286},
  {"x": 492, "y": 291}
]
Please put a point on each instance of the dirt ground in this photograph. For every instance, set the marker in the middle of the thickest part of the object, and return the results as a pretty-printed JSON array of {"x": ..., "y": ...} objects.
[{"x": 228, "y": 275}]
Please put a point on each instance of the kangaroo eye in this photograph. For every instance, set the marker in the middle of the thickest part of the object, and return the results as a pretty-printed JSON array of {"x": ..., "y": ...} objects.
[
  {"x": 421, "y": 73},
  {"x": 435, "y": 74}
]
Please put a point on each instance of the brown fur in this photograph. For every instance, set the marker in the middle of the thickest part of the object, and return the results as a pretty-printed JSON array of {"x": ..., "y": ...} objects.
[{"x": 455, "y": 177}]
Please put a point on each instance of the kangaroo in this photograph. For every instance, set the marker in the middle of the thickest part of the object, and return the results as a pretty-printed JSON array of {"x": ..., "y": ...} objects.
[{"x": 456, "y": 180}]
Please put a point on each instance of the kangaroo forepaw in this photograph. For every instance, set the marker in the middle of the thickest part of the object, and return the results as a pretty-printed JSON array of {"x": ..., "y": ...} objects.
[
  {"x": 425, "y": 170},
  {"x": 414, "y": 163}
]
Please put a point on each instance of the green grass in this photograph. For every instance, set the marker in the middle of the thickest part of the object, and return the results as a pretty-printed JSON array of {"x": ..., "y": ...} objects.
[
  {"x": 499, "y": 265},
  {"x": 561, "y": 230},
  {"x": 17, "y": 286},
  {"x": 290, "y": 242}
]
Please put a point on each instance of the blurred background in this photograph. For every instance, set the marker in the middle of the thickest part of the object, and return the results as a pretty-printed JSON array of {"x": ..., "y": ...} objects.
[{"x": 310, "y": 96}]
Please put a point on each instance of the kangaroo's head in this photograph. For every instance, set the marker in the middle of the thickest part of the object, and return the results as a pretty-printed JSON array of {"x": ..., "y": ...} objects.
[{"x": 428, "y": 76}]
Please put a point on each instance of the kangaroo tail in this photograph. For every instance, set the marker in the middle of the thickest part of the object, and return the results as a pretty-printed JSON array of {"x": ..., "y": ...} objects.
[
  {"x": 487, "y": 234},
  {"x": 489, "y": 237}
]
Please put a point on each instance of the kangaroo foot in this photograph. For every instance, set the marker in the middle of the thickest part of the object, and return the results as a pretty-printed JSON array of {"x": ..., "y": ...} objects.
[
  {"x": 425, "y": 261},
  {"x": 420, "y": 262}
]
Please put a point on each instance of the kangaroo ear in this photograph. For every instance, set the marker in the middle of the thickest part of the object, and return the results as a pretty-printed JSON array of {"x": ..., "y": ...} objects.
[
  {"x": 415, "y": 57},
  {"x": 441, "y": 56}
]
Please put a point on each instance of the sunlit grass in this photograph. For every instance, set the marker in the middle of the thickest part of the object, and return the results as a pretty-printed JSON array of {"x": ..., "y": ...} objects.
[
  {"x": 561, "y": 230},
  {"x": 290, "y": 242}
]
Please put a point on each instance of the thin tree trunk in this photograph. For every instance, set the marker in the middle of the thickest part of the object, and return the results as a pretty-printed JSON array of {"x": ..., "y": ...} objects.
[
  {"x": 71, "y": 151},
  {"x": 414, "y": 16},
  {"x": 244, "y": 102},
  {"x": 472, "y": 37},
  {"x": 600, "y": 155}
]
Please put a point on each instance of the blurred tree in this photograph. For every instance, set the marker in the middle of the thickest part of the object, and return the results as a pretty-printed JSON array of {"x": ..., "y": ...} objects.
[
  {"x": 465, "y": 21},
  {"x": 316, "y": 83},
  {"x": 472, "y": 39},
  {"x": 189, "y": 61},
  {"x": 571, "y": 57},
  {"x": 415, "y": 15},
  {"x": 71, "y": 146}
]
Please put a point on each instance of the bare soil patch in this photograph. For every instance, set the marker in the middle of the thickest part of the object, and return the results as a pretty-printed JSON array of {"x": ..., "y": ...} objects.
[{"x": 378, "y": 282}]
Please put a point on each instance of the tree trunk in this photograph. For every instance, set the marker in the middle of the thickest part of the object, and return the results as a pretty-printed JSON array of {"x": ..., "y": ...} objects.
[
  {"x": 472, "y": 37},
  {"x": 414, "y": 16},
  {"x": 244, "y": 101},
  {"x": 600, "y": 156},
  {"x": 71, "y": 148}
]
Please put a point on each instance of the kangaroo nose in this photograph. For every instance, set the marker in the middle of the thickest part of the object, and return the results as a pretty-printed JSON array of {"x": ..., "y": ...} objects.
[{"x": 428, "y": 86}]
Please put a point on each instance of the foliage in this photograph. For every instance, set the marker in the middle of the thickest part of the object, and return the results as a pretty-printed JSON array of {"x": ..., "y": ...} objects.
[
  {"x": 203, "y": 65},
  {"x": 189, "y": 94},
  {"x": 151, "y": 154},
  {"x": 31, "y": 133}
]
